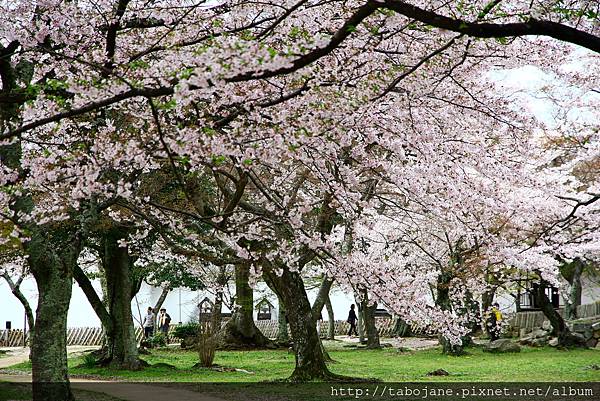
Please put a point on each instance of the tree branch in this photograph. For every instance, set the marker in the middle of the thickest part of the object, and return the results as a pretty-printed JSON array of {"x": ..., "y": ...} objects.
[{"x": 533, "y": 27}]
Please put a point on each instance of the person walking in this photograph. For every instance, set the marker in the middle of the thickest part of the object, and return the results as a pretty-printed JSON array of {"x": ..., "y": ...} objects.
[
  {"x": 164, "y": 321},
  {"x": 352, "y": 321},
  {"x": 494, "y": 322},
  {"x": 149, "y": 323}
]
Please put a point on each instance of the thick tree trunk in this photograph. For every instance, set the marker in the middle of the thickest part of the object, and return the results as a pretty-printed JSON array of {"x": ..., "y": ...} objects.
[
  {"x": 401, "y": 328},
  {"x": 122, "y": 344},
  {"x": 310, "y": 361},
  {"x": 442, "y": 300},
  {"x": 49, "y": 340},
  {"x": 360, "y": 320},
  {"x": 114, "y": 311},
  {"x": 368, "y": 312},
  {"x": 330, "y": 320},
  {"x": 559, "y": 327},
  {"x": 217, "y": 313},
  {"x": 487, "y": 298},
  {"x": 317, "y": 311},
  {"x": 574, "y": 279},
  {"x": 51, "y": 256},
  {"x": 52, "y": 269},
  {"x": 471, "y": 309},
  {"x": 558, "y": 324},
  {"x": 322, "y": 297},
  {"x": 240, "y": 332},
  {"x": 217, "y": 316}
]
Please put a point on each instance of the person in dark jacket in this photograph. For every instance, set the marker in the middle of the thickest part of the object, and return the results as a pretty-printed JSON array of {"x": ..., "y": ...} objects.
[
  {"x": 352, "y": 320},
  {"x": 164, "y": 321}
]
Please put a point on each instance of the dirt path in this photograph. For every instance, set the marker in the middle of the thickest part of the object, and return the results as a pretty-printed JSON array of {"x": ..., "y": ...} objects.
[
  {"x": 415, "y": 343},
  {"x": 126, "y": 391},
  {"x": 14, "y": 356},
  {"x": 121, "y": 390}
]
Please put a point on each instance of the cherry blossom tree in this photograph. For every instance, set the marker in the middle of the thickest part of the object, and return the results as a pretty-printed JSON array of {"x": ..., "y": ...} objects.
[
  {"x": 292, "y": 110},
  {"x": 564, "y": 99}
]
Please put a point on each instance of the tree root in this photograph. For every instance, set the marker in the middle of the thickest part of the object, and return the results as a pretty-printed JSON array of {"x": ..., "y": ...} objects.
[
  {"x": 229, "y": 338},
  {"x": 327, "y": 377},
  {"x": 106, "y": 361}
]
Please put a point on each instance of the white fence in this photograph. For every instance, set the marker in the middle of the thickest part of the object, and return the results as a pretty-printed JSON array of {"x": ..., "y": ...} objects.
[
  {"x": 530, "y": 320},
  {"x": 92, "y": 336}
]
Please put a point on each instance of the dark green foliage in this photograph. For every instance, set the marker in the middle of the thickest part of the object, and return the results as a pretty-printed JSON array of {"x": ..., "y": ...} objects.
[
  {"x": 186, "y": 330},
  {"x": 89, "y": 361},
  {"x": 158, "y": 340},
  {"x": 173, "y": 274}
]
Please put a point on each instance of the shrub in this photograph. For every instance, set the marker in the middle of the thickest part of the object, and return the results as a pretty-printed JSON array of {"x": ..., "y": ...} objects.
[
  {"x": 186, "y": 330},
  {"x": 89, "y": 360},
  {"x": 157, "y": 340},
  {"x": 206, "y": 344}
]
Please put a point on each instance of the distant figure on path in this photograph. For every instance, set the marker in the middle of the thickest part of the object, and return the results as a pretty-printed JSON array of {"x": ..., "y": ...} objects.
[
  {"x": 164, "y": 320},
  {"x": 149, "y": 323},
  {"x": 352, "y": 320},
  {"x": 494, "y": 321}
]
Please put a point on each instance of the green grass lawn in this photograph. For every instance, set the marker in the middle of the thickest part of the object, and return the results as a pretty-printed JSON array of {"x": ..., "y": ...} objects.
[{"x": 531, "y": 364}]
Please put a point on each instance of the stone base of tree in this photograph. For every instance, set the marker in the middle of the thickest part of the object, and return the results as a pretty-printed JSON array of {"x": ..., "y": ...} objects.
[
  {"x": 455, "y": 349},
  {"x": 543, "y": 336}
]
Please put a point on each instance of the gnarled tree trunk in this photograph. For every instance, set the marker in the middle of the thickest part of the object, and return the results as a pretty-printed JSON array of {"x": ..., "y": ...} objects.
[
  {"x": 360, "y": 321},
  {"x": 401, "y": 328},
  {"x": 317, "y": 310},
  {"x": 51, "y": 266},
  {"x": 442, "y": 300},
  {"x": 217, "y": 313},
  {"x": 368, "y": 313},
  {"x": 240, "y": 331},
  {"x": 51, "y": 255},
  {"x": 310, "y": 361},
  {"x": 116, "y": 263},
  {"x": 114, "y": 311},
  {"x": 559, "y": 327},
  {"x": 331, "y": 320},
  {"x": 572, "y": 273}
]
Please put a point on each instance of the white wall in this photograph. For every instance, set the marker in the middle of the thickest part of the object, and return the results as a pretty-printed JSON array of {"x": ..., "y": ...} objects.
[
  {"x": 81, "y": 313},
  {"x": 590, "y": 290},
  {"x": 180, "y": 304}
]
